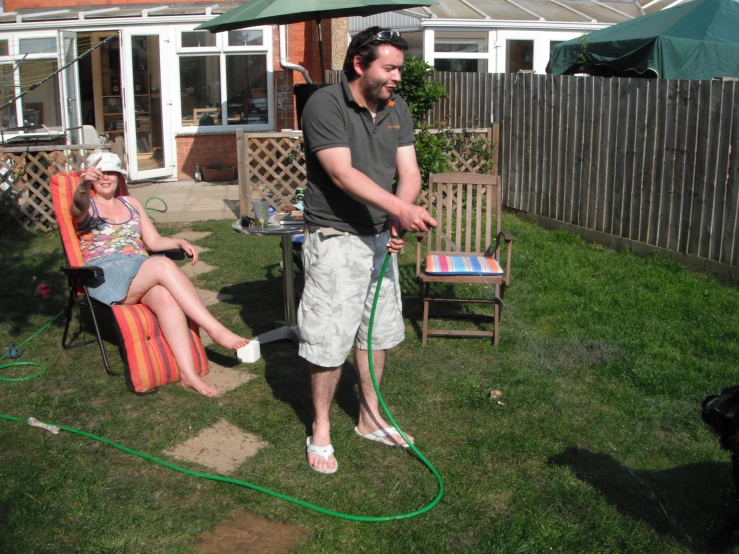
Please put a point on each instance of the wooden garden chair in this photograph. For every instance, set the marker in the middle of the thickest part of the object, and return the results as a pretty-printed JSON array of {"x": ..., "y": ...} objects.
[
  {"x": 147, "y": 359},
  {"x": 465, "y": 248}
]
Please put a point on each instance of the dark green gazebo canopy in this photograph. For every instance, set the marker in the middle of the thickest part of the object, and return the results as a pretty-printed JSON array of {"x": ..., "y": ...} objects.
[{"x": 694, "y": 40}]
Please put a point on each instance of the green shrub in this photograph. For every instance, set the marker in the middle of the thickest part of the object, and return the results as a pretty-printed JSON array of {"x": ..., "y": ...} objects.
[
  {"x": 435, "y": 142},
  {"x": 418, "y": 90}
]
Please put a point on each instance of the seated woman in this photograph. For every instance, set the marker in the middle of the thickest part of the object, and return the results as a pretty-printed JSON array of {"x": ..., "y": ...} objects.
[{"x": 113, "y": 232}]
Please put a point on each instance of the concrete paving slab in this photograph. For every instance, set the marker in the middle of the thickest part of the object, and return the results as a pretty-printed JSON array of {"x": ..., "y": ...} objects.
[
  {"x": 188, "y": 216},
  {"x": 191, "y": 236},
  {"x": 188, "y": 201},
  {"x": 197, "y": 269},
  {"x": 227, "y": 378},
  {"x": 233, "y": 207},
  {"x": 209, "y": 297},
  {"x": 223, "y": 447},
  {"x": 170, "y": 216}
]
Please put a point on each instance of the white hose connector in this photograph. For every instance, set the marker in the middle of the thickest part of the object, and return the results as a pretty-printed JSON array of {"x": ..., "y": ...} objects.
[
  {"x": 283, "y": 56},
  {"x": 33, "y": 422}
]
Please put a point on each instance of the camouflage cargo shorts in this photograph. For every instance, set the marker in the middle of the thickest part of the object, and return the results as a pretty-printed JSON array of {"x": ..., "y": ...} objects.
[{"x": 341, "y": 272}]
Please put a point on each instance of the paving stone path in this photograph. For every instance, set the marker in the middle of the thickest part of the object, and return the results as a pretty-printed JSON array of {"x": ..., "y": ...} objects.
[{"x": 222, "y": 447}]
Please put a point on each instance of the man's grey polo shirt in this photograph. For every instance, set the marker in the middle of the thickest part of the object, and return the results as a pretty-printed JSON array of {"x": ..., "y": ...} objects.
[{"x": 331, "y": 119}]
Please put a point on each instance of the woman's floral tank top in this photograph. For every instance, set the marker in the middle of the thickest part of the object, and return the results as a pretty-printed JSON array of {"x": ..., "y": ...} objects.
[{"x": 99, "y": 238}]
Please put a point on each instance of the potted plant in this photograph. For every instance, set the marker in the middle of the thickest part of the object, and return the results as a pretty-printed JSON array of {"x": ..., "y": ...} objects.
[{"x": 217, "y": 171}]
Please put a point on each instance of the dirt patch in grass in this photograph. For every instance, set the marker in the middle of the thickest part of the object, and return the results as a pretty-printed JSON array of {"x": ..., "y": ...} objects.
[
  {"x": 249, "y": 533},
  {"x": 572, "y": 354}
]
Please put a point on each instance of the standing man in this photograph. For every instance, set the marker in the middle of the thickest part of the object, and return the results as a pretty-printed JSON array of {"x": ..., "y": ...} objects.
[{"x": 358, "y": 135}]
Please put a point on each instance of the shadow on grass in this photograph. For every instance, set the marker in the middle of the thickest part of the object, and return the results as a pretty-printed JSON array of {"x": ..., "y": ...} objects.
[
  {"x": 287, "y": 375},
  {"x": 689, "y": 503},
  {"x": 22, "y": 272}
]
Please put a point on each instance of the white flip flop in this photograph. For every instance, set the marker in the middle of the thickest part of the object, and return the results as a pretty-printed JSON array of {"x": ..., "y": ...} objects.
[
  {"x": 381, "y": 436},
  {"x": 322, "y": 451}
]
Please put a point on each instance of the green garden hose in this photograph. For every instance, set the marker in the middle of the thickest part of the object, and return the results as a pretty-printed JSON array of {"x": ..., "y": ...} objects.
[
  {"x": 244, "y": 483},
  {"x": 148, "y": 209}
]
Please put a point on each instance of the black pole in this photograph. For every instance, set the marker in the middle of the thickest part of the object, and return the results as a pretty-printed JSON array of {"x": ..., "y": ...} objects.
[{"x": 320, "y": 48}]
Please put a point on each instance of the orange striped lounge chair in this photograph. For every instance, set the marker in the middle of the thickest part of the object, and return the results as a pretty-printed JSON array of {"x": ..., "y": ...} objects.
[{"x": 147, "y": 359}]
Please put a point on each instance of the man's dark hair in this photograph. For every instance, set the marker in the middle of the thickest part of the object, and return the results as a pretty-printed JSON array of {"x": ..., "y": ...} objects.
[{"x": 364, "y": 46}]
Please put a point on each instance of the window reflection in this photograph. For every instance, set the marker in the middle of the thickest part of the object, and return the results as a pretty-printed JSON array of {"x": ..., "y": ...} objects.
[
  {"x": 245, "y": 37},
  {"x": 469, "y": 66},
  {"x": 45, "y": 45},
  {"x": 242, "y": 99},
  {"x": 9, "y": 117},
  {"x": 246, "y": 78},
  {"x": 198, "y": 39},
  {"x": 200, "y": 80},
  {"x": 40, "y": 105},
  {"x": 520, "y": 55}
]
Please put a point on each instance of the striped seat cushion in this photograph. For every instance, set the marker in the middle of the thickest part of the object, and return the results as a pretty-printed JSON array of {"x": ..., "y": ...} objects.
[
  {"x": 462, "y": 265},
  {"x": 147, "y": 359}
]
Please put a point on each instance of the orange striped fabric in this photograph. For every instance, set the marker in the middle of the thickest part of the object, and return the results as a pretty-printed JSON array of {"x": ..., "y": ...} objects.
[{"x": 147, "y": 359}]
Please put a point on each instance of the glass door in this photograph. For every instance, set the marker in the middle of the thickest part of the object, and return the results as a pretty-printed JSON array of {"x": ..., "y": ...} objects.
[{"x": 149, "y": 142}]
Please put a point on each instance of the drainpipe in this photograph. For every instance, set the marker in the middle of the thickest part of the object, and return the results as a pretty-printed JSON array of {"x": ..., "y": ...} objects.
[{"x": 283, "y": 56}]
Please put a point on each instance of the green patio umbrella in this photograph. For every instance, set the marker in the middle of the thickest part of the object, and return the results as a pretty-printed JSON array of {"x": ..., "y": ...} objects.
[
  {"x": 284, "y": 12},
  {"x": 694, "y": 40}
]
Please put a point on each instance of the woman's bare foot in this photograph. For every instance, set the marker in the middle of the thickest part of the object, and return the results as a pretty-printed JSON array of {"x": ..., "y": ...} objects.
[
  {"x": 227, "y": 339},
  {"x": 198, "y": 385}
]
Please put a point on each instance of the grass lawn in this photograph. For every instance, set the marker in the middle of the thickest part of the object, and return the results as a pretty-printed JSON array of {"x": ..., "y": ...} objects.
[{"x": 598, "y": 446}]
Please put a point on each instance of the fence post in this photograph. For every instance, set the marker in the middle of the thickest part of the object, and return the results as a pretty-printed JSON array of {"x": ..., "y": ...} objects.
[{"x": 244, "y": 171}]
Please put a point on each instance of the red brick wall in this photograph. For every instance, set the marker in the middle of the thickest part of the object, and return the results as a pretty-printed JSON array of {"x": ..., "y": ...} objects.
[
  {"x": 302, "y": 49},
  {"x": 13, "y": 5},
  {"x": 204, "y": 150}
]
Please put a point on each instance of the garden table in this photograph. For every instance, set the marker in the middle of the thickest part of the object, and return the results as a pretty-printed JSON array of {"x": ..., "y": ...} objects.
[{"x": 287, "y": 329}]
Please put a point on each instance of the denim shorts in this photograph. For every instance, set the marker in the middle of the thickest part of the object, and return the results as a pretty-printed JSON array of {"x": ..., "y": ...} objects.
[
  {"x": 120, "y": 269},
  {"x": 341, "y": 273}
]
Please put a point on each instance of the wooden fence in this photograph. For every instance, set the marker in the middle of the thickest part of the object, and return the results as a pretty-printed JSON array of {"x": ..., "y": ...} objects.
[
  {"x": 28, "y": 170},
  {"x": 640, "y": 163},
  {"x": 272, "y": 165}
]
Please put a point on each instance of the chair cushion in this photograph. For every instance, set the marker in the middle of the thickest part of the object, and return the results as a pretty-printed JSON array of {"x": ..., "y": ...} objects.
[
  {"x": 462, "y": 265},
  {"x": 147, "y": 358}
]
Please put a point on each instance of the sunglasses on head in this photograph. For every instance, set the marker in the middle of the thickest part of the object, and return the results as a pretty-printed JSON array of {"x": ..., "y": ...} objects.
[{"x": 382, "y": 36}]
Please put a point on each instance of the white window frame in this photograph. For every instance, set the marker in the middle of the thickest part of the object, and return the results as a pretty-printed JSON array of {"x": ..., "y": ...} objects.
[
  {"x": 14, "y": 57},
  {"x": 431, "y": 55},
  {"x": 222, "y": 50}
]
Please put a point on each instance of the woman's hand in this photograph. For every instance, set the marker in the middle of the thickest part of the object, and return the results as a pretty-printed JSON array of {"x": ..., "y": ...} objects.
[
  {"x": 90, "y": 176},
  {"x": 190, "y": 249}
]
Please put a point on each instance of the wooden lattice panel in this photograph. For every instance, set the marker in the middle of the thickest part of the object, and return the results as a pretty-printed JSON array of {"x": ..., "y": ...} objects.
[
  {"x": 29, "y": 170},
  {"x": 272, "y": 165}
]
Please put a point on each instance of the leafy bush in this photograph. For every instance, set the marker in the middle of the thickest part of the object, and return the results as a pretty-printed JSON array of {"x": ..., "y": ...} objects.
[
  {"x": 435, "y": 142},
  {"x": 418, "y": 90}
]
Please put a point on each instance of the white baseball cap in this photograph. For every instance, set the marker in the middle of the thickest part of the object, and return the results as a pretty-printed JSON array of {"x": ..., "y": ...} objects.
[{"x": 108, "y": 162}]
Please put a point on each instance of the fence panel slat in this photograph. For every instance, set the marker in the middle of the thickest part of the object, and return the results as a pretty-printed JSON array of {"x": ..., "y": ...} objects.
[
  {"x": 665, "y": 160},
  {"x": 700, "y": 193},
  {"x": 720, "y": 155},
  {"x": 730, "y": 246},
  {"x": 649, "y": 188}
]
